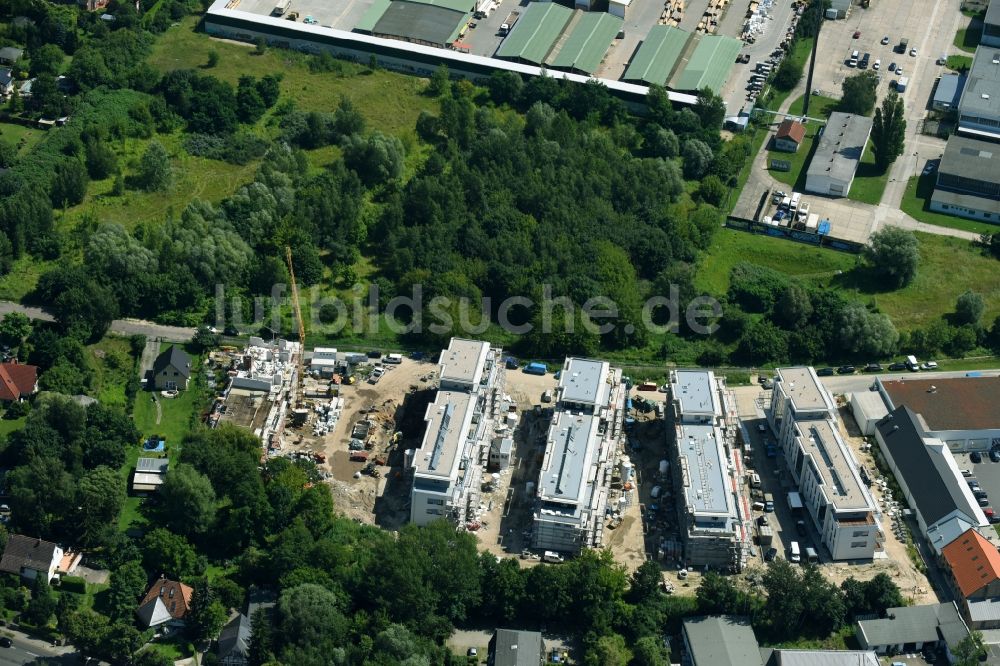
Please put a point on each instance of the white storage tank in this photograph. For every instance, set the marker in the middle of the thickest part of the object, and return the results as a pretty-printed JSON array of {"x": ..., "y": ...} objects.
[{"x": 626, "y": 469}]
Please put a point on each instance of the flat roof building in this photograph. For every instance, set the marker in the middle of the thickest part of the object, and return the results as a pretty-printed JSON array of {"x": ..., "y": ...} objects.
[
  {"x": 968, "y": 180},
  {"x": 979, "y": 109},
  {"x": 948, "y": 92},
  {"x": 804, "y": 416},
  {"x": 960, "y": 411},
  {"x": 460, "y": 423},
  {"x": 838, "y": 153},
  {"x": 713, "y": 514},
  {"x": 991, "y": 26},
  {"x": 582, "y": 442},
  {"x": 150, "y": 473}
]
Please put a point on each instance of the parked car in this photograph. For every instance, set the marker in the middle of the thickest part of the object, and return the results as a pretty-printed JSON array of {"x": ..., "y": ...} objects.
[
  {"x": 994, "y": 455},
  {"x": 885, "y": 40},
  {"x": 857, "y": 34},
  {"x": 897, "y": 366},
  {"x": 771, "y": 451},
  {"x": 873, "y": 367},
  {"x": 892, "y": 67},
  {"x": 762, "y": 519},
  {"x": 846, "y": 370},
  {"x": 825, "y": 372},
  {"x": 6, "y": 642},
  {"x": 777, "y": 197},
  {"x": 374, "y": 354},
  {"x": 929, "y": 365},
  {"x": 800, "y": 527},
  {"x": 976, "y": 459},
  {"x": 913, "y": 53},
  {"x": 770, "y": 554}
]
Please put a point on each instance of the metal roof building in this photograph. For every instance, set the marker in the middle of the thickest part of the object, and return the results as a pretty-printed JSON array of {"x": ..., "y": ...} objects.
[
  {"x": 708, "y": 65},
  {"x": 979, "y": 110},
  {"x": 909, "y": 628},
  {"x": 968, "y": 179},
  {"x": 948, "y": 92},
  {"x": 721, "y": 641},
  {"x": 657, "y": 56},
  {"x": 429, "y": 22},
  {"x": 835, "y": 161},
  {"x": 590, "y": 36},
  {"x": 535, "y": 33},
  {"x": 991, "y": 25}
]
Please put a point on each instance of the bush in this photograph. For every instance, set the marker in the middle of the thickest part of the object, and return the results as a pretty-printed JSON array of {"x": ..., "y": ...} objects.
[
  {"x": 240, "y": 148},
  {"x": 73, "y": 584}
]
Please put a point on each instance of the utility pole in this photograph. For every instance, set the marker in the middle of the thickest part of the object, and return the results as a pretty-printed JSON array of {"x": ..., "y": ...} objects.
[{"x": 815, "y": 6}]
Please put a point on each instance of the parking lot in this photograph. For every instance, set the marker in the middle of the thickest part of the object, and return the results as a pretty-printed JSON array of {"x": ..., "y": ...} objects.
[{"x": 987, "y": 473}]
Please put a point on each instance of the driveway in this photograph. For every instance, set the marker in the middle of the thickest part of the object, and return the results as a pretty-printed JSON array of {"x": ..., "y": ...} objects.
[{"x": 120, "y": 326}]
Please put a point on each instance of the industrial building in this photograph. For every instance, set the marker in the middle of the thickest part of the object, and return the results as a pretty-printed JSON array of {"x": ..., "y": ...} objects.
[
  {"x": 804, "y": 415},
  {"x": 979, "y": 110},
  {"x": 708, "y": 64},
  {"x": 910, "y": 629},
  {"x": 713, "y": 514},
  {"x": 948, "y": 92},
  {"x": 720, "y": 641},
  {"x": 928, "y": 475},
  {"x": 959, "y": 411},
  {"x": 555, "y": 36},
  {"x": 968, "y": 180},
  {"x": 224, "y": 19},
  {"x": 655, "y": 59},
  {"x": 580, "y": 449},
  {"x": 838, "y": 152},
  {"x": 323, "y": 362},
  {"x": 991, "y": 26},
  {"x": 437, "y": 23},
  {"x": 868, "y": 408},
  {"x": 448, "y": 467}
]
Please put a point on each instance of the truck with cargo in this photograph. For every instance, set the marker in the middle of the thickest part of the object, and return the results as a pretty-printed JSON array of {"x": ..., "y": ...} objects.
[
  {"x": 903, "y": 43},
  {"x": 535, "y": 369},
  {"x": 812, "y": 222},
  {"x": 765, "y": 535},
  {"x": 508, "y": 23}
]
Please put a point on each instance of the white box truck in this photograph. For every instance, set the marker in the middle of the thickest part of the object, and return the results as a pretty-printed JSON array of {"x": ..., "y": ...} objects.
[
  {"x": 281, "y": 7},
  {"x": 794, "y": 555},
  {"x": 812, "y": 223}
]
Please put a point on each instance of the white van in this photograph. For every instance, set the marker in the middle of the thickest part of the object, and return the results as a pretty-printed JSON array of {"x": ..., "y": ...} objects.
[
  {"x": 794, "y": 206},
  {"x": 853, "y": 60},
  {"x": 755, "y": 480},
  {"x": 794, "y": 554},
  {"x": 911, "y": 363},
  {"x": 655, "y": 492},
  {"x": 553, "y": 557},
  {"x": 395, "y": 359},
  {"x": 786, "y": 202},
  {"x": 811, "y": 554}
]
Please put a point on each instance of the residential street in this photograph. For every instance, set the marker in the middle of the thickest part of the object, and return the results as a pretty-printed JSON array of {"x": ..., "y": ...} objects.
[{"x": 29, "y": 651}]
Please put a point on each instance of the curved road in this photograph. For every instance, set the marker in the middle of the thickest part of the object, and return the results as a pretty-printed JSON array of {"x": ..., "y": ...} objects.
[{"x": 120, "y": 326}]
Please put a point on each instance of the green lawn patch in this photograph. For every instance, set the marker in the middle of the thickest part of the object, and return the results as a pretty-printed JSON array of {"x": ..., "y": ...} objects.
[
  {"x": 8, "y": 426},
  {"x": 22, "y": 136},
  {"x": 729, "y": 247},
  {"x": 917, "y": 305},
  {"x": 948, "y": 267},
  {"x": 23, "y": 277},
  {"x": 112, "y": 364},
  {"x": 869, "y": 181},
  {"x": 968, "y": 37},
  {"x": 917, "y": 200},
  {"x": 959, "y": 63},
  {"x": 819, "y": 106},
  {"x": 390, "y": 102}
]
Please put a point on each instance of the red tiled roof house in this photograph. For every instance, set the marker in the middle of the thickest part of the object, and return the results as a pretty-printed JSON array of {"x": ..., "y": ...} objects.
[
  {"x": 17, "y": 381},
  {"x": 790, "y": 136}
]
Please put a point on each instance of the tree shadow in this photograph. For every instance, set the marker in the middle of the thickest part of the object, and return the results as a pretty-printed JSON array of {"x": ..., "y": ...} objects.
[{"x": 864, "y": 279}]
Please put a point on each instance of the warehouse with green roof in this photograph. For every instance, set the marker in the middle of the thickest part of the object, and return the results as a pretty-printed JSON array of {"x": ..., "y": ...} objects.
[
  {"x": 586, "y": 39},
  {"x": 535, "y": 33},
  {"x": 429, "y": 22},
  {"x": 657, "y": 56},
  {"x": 708, "y": 65}
]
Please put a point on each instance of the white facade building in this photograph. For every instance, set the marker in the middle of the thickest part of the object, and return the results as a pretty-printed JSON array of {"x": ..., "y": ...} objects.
[
  {"x": 804, "y": 415},
  {"x": 580, "y": 449},
  {"x": 460, "y": 424},
  {"x": 713, "y": 513}
]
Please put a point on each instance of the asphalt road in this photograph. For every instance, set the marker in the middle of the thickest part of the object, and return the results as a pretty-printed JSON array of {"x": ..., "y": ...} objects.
[
  {"x": 119, "y": 326},
  {"x": 862, "y": 382},
  {"x": 29, "y": 651}
]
